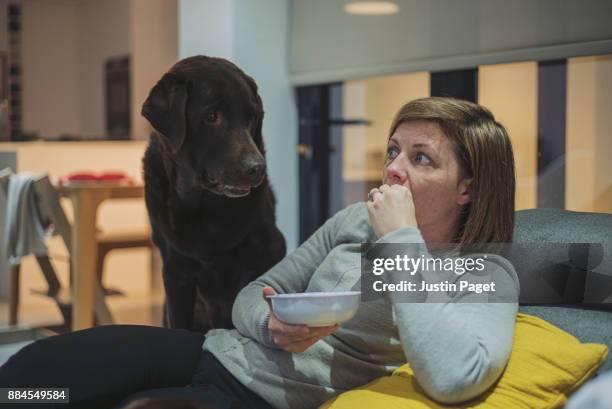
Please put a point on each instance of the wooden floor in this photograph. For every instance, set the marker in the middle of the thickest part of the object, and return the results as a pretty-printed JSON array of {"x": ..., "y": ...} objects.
[
  {"x": 126, "y": 270},
  {"x": 129, "y": 309},
  {"x": 139, "y": 305}
]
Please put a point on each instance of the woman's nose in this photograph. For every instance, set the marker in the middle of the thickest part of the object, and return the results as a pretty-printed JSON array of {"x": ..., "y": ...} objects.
[{"x": 396, "y": 173}]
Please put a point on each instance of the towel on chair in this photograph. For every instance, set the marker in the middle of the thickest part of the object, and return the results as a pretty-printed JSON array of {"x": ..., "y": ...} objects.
[{"x": 23, "y": 232}]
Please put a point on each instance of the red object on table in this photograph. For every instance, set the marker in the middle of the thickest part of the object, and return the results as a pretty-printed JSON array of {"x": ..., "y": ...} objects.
[
  {"x": 91, "y": 177},
  {"x": 110, "y": 176},
  {"x": 81, "y": 177}
]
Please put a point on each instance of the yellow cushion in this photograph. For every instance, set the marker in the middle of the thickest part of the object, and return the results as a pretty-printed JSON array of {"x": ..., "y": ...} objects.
[{"x": 546, "y": 365}]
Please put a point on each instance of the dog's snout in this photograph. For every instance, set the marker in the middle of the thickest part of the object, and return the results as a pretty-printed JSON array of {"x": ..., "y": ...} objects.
[{"x": 255, "y": 170}]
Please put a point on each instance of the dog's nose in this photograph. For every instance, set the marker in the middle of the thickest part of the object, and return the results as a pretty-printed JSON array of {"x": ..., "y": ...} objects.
[{"x": 255, "y": 171}]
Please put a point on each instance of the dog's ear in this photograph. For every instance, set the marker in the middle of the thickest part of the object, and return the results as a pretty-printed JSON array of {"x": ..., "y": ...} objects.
[
  {"x": 165, "y": 109},
  {"x": 256, "y": 128}
]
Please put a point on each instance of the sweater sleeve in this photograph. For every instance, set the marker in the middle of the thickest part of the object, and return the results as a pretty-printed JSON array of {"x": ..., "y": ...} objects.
[
  {"x": 457, "y": 349},
  {"x": 250, "y": 312}
]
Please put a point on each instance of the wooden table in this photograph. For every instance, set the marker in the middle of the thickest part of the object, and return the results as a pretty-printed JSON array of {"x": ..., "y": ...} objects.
[{"x": 86, "y": 197}]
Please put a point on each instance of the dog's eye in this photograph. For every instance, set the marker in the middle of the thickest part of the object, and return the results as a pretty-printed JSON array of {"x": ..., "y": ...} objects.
[{"x": 212, "y": 117}]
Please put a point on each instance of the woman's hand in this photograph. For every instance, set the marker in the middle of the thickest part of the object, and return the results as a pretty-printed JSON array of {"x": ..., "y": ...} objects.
[
  {"x": 294, "y": 338},
  {"x": 391, "y": 208}
]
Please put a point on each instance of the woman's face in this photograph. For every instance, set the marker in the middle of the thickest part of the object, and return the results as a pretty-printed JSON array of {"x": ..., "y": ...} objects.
[{"x": 422, "y": 158}]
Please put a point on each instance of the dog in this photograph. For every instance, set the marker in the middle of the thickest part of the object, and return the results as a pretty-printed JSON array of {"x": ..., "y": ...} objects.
[{"x": 210, "y": 205}]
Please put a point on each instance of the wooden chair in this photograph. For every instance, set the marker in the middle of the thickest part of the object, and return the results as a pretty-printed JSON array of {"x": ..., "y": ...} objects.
[
  {"x": 51, "y": 212},
  {"x": 108, "y": 242}
]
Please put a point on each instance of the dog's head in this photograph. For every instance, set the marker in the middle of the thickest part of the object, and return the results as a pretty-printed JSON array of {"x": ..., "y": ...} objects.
[{"x": 209, "y": 116}]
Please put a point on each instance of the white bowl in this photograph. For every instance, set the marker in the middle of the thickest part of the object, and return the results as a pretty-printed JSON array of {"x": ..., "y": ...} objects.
[{"x": 316, "y": 309}]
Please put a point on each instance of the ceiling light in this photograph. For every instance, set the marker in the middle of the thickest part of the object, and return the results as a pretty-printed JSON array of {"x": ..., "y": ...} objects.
[{"x": 371, "y": 8}]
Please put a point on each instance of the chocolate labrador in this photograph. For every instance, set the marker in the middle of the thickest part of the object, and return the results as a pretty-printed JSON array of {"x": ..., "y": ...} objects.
[{"x": 210, "y": 204}]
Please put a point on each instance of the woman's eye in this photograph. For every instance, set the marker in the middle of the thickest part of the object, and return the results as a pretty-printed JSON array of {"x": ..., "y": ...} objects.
[
  {"x": 392, "y": 152},
  {"x": 212, "y": 117},
  {"x": 422, "y": 159}
]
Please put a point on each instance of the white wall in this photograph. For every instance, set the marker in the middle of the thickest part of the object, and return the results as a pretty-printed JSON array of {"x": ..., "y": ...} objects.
[
  {"x": 154, "y": 42},
  {"x": 259, "y": 32},
  {"x": 103, "y": 32},
  {"x": 206, "y": 25},
  {"x": 49, "y": 67},
  {"x": 261, "y": 43},
  {"x": 65, "y": 44},
  {"x": 328, "y": 44}
]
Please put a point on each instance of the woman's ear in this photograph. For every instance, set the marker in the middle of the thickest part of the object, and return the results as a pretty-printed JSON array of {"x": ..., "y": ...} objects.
[{"x": 464, "y": 191}]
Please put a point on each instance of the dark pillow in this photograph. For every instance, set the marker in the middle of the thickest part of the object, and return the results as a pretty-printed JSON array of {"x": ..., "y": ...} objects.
[{"x": 563, "y": 257}]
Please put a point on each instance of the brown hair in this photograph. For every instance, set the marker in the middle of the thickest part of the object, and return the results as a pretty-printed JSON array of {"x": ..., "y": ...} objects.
[{"x": 484, "y": 152}]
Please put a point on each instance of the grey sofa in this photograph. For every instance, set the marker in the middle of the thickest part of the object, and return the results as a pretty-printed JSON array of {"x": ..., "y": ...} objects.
[{"x": 562, "y": 281}]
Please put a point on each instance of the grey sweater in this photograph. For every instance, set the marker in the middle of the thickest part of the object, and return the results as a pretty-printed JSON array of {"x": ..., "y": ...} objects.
[{"x": 457, "y": 350}]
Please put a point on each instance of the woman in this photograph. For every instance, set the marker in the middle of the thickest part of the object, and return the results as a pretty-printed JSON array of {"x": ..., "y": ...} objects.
[{"x": 448, "y": 178}]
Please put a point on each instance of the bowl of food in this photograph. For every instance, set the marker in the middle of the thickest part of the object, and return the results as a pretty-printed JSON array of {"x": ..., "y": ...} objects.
[{"x": 316, "y": 309}]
